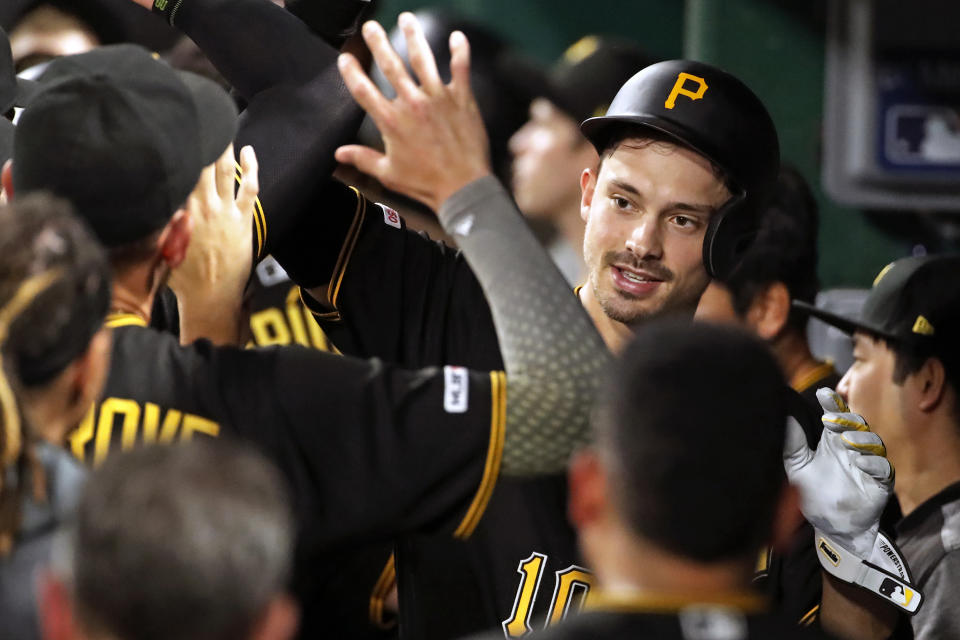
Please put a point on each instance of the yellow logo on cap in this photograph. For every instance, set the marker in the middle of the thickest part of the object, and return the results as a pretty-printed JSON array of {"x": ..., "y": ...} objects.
[
  {"x": 581, "y": 49},
  {"x": 882, "y": 273},
  {"x": 678, "y": 89},
  {"x": 923, "y": 326}
]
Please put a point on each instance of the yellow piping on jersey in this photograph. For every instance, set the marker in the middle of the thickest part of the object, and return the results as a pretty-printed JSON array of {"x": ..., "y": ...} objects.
[
  {"x": 803, "y": 382},
  {"x": 810, "y": 616},
  {"x": 259, "y": 219},
  {"x": 115, "y": 320},
  {"x": 491, "y": 470},
  {"x": 346, "y": 251},
  {"x": 386, "y": 582}
]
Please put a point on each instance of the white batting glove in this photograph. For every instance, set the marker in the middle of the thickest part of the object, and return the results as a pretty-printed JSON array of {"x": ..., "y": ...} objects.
[{"x": 844, "y": 486}]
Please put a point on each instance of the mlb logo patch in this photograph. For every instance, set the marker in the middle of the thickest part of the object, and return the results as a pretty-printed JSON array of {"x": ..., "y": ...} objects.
[
  {"x": 456, "y": 385},
  {"x": 390, "y": 216}
]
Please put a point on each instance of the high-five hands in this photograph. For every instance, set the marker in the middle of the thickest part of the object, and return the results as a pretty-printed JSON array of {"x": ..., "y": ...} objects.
[
  {"x": 434, "y": 138},
  {"x": 845, "y": 485}
]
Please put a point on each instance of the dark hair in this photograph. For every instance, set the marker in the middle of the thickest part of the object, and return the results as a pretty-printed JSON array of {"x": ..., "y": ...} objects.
[
  {"x": 785, "y": 249},
  {"x": 189, "y": 541},
  {"x": 692, "y": 429},
  {"x": 54, "y": 293},
  {"x": 640, "y": 136}
]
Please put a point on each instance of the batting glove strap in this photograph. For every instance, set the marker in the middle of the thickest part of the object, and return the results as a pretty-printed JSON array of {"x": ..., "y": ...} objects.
[
  {"x": 885, "y": 575},
  {"x": 168, "y": 9}
]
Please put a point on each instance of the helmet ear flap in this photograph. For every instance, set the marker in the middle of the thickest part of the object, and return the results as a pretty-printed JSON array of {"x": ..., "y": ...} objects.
[{"x": 731, "y": 231}]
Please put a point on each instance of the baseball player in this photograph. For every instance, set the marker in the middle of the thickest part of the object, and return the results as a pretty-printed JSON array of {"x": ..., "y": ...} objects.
[
  {"x": 641, "y": 515},
  {"x": 329, "y": 422},
  {"x": 688, "y": 155}
]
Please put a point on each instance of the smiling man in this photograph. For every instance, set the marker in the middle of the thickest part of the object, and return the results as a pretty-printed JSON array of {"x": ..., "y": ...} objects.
[{"x": 905, "y": 380}]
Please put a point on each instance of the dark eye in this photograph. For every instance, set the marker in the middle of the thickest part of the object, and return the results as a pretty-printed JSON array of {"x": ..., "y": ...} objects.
[{"x": 621, "y": 203}]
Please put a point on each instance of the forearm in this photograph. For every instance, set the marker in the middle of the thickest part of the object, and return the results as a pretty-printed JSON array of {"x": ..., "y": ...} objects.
[
  {"x": 254, "y": 44},
  {"x": 849, "y": 612},
  {"x": 298, "y": 109},
  {"x": 553, "y": 355}
]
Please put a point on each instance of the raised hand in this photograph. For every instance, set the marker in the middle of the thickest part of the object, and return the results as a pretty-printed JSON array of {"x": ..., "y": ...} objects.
[{"x": 434, "y": 138}]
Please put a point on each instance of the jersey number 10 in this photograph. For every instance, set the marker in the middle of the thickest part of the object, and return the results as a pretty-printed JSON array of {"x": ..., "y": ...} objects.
[{"x": 569, "y": 592}]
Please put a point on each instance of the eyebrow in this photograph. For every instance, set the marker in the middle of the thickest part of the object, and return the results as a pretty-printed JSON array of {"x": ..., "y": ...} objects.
[{"x": 675, "y": 206}]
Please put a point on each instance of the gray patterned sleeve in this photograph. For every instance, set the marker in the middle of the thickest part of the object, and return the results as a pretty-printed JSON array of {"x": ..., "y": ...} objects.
[{"x": 553, "y": 356}]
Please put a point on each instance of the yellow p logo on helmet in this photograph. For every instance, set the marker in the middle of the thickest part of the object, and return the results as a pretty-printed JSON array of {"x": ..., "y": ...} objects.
[{"x": 680, "y": 90}]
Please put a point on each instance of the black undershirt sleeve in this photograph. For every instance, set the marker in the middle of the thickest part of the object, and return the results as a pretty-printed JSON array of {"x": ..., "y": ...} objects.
[{"x": 298, "y": 113}]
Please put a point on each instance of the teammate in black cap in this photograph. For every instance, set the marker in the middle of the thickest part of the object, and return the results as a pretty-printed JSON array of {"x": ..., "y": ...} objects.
[
  {"x": 331, "y": 423},
  {"x": 904, "y": 381}
]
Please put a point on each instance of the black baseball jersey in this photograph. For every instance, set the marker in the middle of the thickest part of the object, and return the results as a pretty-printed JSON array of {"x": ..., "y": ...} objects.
[
  {"x": 417, "y": 303},
  {"x": 370, "y": 451},
  {"x": 670, "y": 618}
]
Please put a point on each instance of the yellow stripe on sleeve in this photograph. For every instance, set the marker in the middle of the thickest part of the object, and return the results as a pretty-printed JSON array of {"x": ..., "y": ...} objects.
[
  {"x": 386, "y": 582},
  {"x": 491, "y": 470}
]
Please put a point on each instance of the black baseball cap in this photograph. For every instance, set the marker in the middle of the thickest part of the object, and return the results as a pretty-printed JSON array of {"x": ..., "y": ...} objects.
[
  {"x": 915, "y": 301},
  {"x": 122, "y": 136},
  {"x": 585, "y": 80},
  {"x": 14, "y": 91}
]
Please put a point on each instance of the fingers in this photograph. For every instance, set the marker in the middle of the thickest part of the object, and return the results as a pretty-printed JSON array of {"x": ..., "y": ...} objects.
[
  {"x": 387, "y": 59},
  {"x": 877, "y": 467},
  {"x": 421, "y": 57},
  {"x": 864, "y": 442},
  {"x": 224, "y": 173},
  {"x": 363, "y": 90},
  {"x": 830, "y": 400},
  {"x": 205, "y": 191},
  {"x": 363, "y": 158},
  {"x": 249, "y": 182},
  {"x": 839, "y": 422},
  {"x": 460, "y": 68}
]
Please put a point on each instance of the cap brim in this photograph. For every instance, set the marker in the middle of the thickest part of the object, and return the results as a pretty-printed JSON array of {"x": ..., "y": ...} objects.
[
  {"x": 847, "y": 325},
  {"x": 217, "y": 113}
]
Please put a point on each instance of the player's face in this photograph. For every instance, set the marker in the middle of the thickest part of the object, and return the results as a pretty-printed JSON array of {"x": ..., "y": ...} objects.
[
  {"x": 548, "y": 155},
  {"x": 646, "y": 212},
  {"x": 869, "y": 389}
]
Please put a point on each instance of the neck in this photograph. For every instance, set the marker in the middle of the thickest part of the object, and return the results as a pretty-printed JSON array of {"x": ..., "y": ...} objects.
[
  {"x": 793, "y": 355},
  {"x": 615, "y": 334},
  {"x": 624, "y": 563},
  {"x": 134, "y": 291},
  {"x": 928, "y": 463}
]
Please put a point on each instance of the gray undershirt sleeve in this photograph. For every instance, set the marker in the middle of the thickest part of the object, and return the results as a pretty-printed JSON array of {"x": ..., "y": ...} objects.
[{"x": 553, "y": 356}]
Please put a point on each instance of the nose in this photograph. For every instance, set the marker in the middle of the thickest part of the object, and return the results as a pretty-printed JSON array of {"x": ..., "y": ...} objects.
[
  {"x": 843, "y": 387},
  {"x": 644, "y": 241}
]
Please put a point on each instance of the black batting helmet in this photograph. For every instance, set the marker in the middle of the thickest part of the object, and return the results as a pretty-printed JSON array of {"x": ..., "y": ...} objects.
[{"x": 716, "y": 115}]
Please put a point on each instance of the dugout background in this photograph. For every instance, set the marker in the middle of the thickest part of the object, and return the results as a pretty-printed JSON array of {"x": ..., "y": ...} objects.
[{"x": 776, "y": 46}]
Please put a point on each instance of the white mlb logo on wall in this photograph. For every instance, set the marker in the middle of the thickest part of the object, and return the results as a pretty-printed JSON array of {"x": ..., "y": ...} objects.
[{"x": 390, "y": 216}]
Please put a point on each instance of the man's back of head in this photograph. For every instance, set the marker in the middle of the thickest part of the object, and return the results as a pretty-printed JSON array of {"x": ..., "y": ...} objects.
[
  {"x": 122, "y": 137},
  {"x": 691, "y": 435},
  {"x": 189, "y": 542}
]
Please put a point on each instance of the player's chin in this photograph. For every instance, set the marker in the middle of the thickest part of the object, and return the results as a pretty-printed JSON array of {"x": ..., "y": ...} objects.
[{"x": 629, "y": 310}]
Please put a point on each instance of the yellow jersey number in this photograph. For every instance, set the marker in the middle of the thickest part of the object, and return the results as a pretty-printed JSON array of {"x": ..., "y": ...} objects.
[{"x": 569, "y": 592}]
